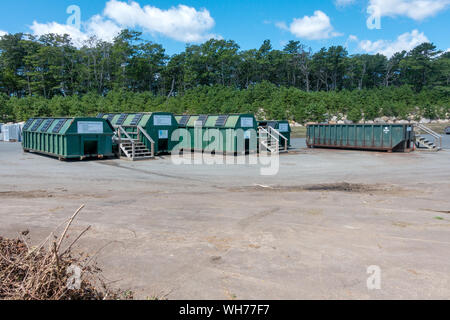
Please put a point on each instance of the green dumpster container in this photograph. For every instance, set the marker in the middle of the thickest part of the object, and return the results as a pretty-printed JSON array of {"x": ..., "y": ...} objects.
[
  {"x": 231, "y": 134},
  {"x": 160, "y": 126},
  {"x": 282, "y": 126},
  {"x": 68, "y": 138},
  {"x": 381, "y": 137}
]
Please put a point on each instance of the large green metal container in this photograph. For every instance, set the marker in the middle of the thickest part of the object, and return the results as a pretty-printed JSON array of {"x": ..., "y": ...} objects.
[
  {"x": 234, "y": 133},
  {"x": 282, "y": 126},
  {"x": 160, "y": 126},
  {"x": 382, "y": 137},
  {"x": 68, "y": 138}
]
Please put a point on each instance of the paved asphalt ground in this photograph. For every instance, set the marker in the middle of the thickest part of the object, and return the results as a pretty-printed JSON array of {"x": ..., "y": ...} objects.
[{"x": 227, "y": 232}]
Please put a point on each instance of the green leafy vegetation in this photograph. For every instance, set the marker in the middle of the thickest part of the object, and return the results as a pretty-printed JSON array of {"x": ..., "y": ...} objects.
[{"x": 48, "y": 76}]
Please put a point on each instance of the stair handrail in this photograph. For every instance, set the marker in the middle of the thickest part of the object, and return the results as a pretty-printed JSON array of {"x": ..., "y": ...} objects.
[
  {"x": 268, "y": 133},
  {"x": 265, "y": 131},
  {"x": 133, "y": 146},
  {"x": 429, "y": 131},
  {"x": 437, "y": 137},
  {"x": 152, "y": 142},
  {"x": 282, "y": 136}
]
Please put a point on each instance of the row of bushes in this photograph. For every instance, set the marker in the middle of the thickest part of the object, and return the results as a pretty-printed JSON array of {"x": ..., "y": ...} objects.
[{"x": 265, "y": 100}]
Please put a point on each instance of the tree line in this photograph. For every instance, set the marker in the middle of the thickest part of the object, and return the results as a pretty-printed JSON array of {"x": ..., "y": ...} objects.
[{"x": 49, "y": 76}]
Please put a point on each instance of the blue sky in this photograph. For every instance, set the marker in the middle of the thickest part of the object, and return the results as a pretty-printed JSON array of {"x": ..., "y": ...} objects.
[{"x": 320, "y": 23}]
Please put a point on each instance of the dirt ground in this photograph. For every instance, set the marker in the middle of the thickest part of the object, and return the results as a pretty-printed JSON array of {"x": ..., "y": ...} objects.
[{"x": 226, "y": 232}]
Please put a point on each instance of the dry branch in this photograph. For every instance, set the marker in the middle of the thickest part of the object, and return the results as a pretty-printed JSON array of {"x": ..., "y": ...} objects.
[{"x": 39, "y": 274}]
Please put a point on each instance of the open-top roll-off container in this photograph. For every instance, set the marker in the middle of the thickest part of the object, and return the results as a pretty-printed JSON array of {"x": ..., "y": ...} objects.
[{"x": 379, "y": 137}]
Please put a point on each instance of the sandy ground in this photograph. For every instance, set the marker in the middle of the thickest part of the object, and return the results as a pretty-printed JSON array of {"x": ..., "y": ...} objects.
[{"x": 226, "y": 232}]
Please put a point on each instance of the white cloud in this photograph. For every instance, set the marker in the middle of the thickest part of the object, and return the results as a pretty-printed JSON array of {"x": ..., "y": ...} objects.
[
  {"x": 78, "y": 37},
  {"x": 405, "y": 41},
  {"x": 102, "y": 28},
  {"x": 282, "y": 25},
  {"x": 2, "y": 33},
  {"x": 414, "y": 9},
  {"x": 97, "y": 27},
  {"x": 181, "y": 23},
  {"x": 344, "y": 3},
  {"x": 315, "y": 27},
  {"x": 443, "y": 52},
  {"x": 351, "y": 38}
]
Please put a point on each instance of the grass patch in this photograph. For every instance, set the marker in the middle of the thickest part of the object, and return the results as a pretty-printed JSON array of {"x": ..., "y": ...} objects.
[
  {"x": 438, "y": 127},
  {"x": 298, "y": 132}
]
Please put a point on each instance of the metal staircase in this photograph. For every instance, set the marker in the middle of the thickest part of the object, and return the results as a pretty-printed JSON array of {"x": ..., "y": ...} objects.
[
  {"x": 422, "y": 142},
  {"x": 133, "y": 148},
  {"x": 271, "y": 140}
]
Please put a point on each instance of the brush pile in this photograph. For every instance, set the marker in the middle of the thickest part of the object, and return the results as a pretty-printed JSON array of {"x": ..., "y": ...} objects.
[{"x": 49, "y": 271}]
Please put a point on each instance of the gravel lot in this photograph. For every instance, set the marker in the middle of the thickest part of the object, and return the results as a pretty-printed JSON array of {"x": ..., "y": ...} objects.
[{"x": 226, "y": 232}]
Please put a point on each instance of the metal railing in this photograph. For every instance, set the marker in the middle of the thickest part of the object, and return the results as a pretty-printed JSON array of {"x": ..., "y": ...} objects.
[
  {"x": 436, "y": 136},
  {"x": 271, "y": 139},
  {"x": 120, "y": 131},
  {"x": 268, "y": 140},
  {"x": 146, "y": 135},
  {"x": 283, "y": 138}
]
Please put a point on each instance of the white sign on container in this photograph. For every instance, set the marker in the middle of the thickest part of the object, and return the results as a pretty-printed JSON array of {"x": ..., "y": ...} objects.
[
  {"x": 162, "y": 120},
  {"x": 284, "y": 127},
  {"x": 90, "y": 127},
  {"x": 246, "y": 122}
]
